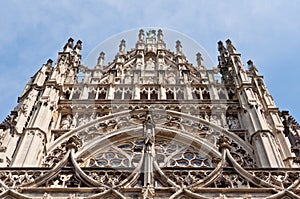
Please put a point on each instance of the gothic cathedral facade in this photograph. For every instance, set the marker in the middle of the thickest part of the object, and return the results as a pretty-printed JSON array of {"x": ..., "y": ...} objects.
[{"x": 149, "y": 124}]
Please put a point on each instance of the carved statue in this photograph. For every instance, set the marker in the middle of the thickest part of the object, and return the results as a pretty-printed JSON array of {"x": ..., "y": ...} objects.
[
  {"x": 101, "y": 58},
  {"x": 66, "y": 122},
  {"x": 230, "y": 47},
  {"x": 24, "y": 108},
  {"x": 148, "y": 192},
  {"x": 78, "y": 47},
  {"x": 9, "y": 123},
  {"x": 178, "y": 47},
  {"x": 150, "y": 64},
  {"x": 74, "y": 121},
  {"x": 122, "y": 46},
  {"x": 160, "y": 35},
  {"x": 199, "y": 59},
  {"x": 148, "y": 130},
  {"x": 151, "y": 34},
  {"x": 252, "y": 68},
  {"x": 161, "y": 62},
  {"x": 222, "y": 49},
  {"x": 141, "y": 35},
  {"x": 68, "y": 47},
  {"x": 233, "y": 123}
]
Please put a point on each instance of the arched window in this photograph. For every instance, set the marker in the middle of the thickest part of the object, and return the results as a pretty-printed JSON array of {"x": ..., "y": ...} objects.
[
  {"x": 196, "y": 93},
  {"x": 102, "y": 93},
  {"x": 127, "y": 94},
  {"x": 118, "y": 94},
  {"x": 205, "y": 95},
  {"x": 222, "y": 95},
  {"x": 144, "y": 94},
  {"x": 76, "y": 94},
  {"x": 153, "y": 93},
  {"x": 170, "y": 94},
  {"x": 92, "y": 94},
  {"x": 179, "y": 94}
]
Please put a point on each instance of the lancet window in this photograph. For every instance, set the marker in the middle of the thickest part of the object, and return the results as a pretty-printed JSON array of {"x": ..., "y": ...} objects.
[
  {"x": 123, "y": 93},
  {"x": 102, "y": 93},
  {"x": 150, "y": 92},
  {"x": 92, "y": 93},
  {"x": 170, "y": 93},
  {"x": 76, "y": 93}
]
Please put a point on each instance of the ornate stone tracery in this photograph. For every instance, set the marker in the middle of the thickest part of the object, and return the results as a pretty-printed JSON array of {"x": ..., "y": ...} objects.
[{"x": 148, "y": 125}]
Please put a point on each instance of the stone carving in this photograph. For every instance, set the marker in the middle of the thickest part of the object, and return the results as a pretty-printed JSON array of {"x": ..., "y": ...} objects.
[
  {"x": 141, "y": 35},
  {"x": 160, "y": 35},
  {"x": 10, "y": 123},
  {"x": 148, "y": 192},
  {"x": 199, "y": 60},
  {"x": 66, "y": 122},
  {"x": 151, "y": 34},
  {"x": 122, "y": 46},
  {"x": 222, "y": 50},
  {"x": 77, "y": 49},
  {"x": 231, "y": 49},
  {"x": 110, "y": 144},
  {"x": 69, "y": 46},
  {"x": 178, "y": 47},
  {"x": 101, "y": 59},
  {"x": 233, "y": 122},
  {"x": 150, "y": 64}
]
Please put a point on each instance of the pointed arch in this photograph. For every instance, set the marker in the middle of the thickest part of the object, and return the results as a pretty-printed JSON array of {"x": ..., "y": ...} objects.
[{"x": 229, "y": 134}]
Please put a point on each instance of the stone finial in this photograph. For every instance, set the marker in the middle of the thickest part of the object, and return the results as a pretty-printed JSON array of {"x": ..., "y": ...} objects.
[
  {"x": 252, "y": 68},
  {"x": 178, "y": 47},
  {"x": 69, "y": 45},
  {"x": 49, "y": 62},
  {"x": 74, "y": 142},
  {"x": 199, "y": 60},
  {"x": 101, "y": 58},
  {"x": 122, "y": 46},
  {"x": 141, "y": 35},
  {"x": 78, "y": 47},
  {"x": 160, "y": 35},
  {"x": 230, "y": 47},
  {"x": 222, "y": 49},
  {"x": 223, "y": 143}
]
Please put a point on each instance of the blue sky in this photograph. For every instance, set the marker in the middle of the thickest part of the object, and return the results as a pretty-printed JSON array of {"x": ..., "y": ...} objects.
[{"x": 267, "y": 32}]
